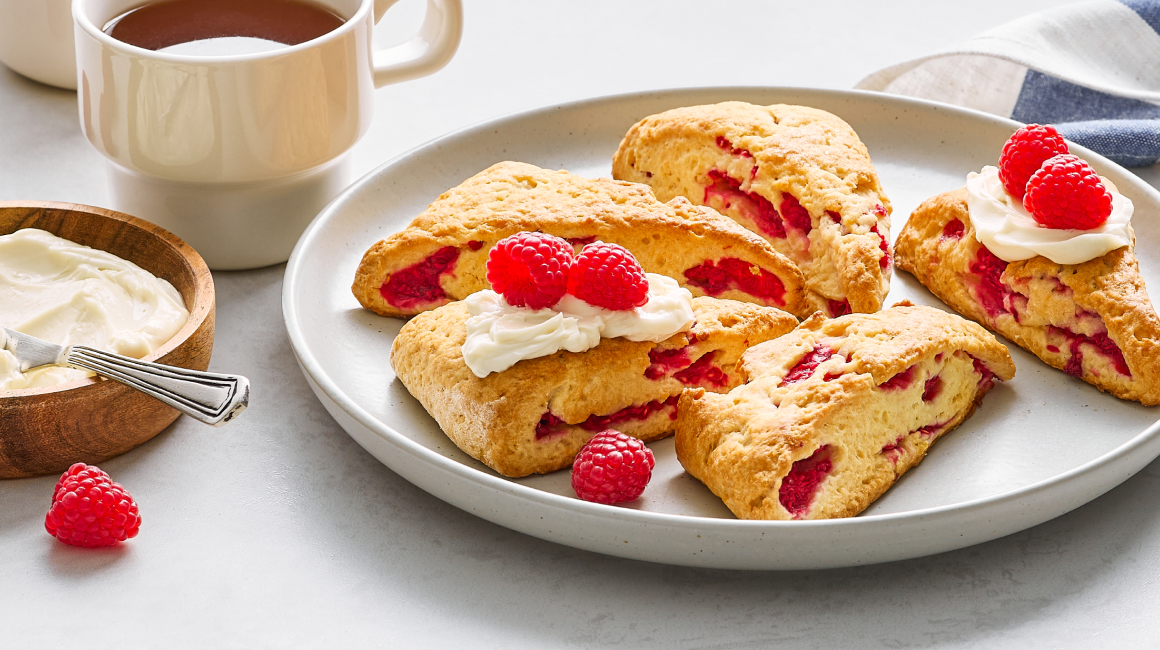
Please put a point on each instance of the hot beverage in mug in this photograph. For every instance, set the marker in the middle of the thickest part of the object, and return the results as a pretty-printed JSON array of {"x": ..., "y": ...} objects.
[
  {"x": 222, "y": 27},
  {"x": 236, "y": 150}
]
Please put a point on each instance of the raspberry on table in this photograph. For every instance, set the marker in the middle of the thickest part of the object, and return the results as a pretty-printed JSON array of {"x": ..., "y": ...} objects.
[
  {"x": 607, "y": 275},
  {"x": 612, "y": 468},
  {"x": 90, "y": 510},
  {"x": 530, "y": 269},
  {"x": 1066, "y": 193},
  {"x": 1025, "y": 152}
]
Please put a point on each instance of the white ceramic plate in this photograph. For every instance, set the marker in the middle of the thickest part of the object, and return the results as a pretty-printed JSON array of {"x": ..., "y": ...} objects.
[{"x": 1038, "y": 446}]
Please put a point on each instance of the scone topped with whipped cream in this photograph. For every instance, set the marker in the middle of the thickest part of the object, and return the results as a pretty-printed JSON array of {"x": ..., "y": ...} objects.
[
  {"x": 522, "y": 377},
  {"x": 440, "y": 256},
  {"x": 798, "y": 176},
  {"x": 1039, "y": 249}
]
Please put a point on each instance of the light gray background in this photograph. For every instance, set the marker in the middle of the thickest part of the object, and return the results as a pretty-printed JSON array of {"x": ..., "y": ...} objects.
[{"x": 279, "y": 531}]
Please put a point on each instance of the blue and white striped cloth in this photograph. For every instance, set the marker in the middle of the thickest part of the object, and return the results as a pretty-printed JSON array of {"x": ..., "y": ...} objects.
[{"x": 1092, "y": 69}]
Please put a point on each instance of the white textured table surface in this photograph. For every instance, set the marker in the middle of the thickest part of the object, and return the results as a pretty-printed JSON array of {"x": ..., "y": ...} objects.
[{"x": 279, "y": 531}]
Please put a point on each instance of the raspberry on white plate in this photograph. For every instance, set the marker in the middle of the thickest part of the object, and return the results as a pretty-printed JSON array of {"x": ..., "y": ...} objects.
[{"x": 612, "y": 468}]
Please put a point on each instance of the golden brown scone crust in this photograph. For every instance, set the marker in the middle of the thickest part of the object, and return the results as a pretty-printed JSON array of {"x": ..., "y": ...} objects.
[
  {"x": 1106, "y": 293},
  {"x": 865, "y": 407},
  {"x": 511, "y": 197},
  {"x": 494, "y": 419},
  {"x": 775, "y": 150}
]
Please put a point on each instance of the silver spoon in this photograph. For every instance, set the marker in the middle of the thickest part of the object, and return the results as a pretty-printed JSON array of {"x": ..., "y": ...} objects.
[{"x": 206, "y": 396}]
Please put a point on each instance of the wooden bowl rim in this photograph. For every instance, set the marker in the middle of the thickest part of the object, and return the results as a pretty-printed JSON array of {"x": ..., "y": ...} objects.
[{"x": 203, "y": 287}]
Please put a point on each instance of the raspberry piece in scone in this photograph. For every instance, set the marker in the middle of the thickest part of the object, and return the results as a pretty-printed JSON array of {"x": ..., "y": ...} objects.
[
  {"x": 832, "y": 414},
  {"x": 536, "y": 415},
  {"x": 1092, "y": 320},
  {"x": 797, "y": 176},
  {"x": 441, "y": 255}
]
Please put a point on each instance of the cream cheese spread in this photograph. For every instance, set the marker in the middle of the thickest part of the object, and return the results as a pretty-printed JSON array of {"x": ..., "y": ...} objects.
[
  {"x": 1009, "y": 231},
  {"x": 500, "y": 335},
  {"x": 60, "y": 291}
]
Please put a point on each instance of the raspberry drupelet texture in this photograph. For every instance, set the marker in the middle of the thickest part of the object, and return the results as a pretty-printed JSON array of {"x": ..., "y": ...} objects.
[
  {"x": 530, "y": 269},
  {"x": 1025, "y": 152},
  {"x": 612, "y": 468},
  {"x": 607, "y": 275},
  {"x": 1067, "y": 193},
  {"x": 90, "y": 510}
]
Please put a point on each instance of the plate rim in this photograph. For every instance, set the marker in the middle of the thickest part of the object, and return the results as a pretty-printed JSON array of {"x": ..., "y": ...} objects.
[{"x": 311, "y": 366}]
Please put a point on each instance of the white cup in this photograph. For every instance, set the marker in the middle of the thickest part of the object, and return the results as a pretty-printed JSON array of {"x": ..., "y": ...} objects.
[
  {"x": 36, "y": 40},
  {"x": 236, "y": 154}
]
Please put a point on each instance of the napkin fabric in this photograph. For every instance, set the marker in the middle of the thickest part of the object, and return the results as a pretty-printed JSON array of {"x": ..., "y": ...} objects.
[{"x": 1092, "y": 69}]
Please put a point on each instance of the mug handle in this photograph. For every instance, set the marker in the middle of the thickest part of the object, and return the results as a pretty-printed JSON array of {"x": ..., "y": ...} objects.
[{"x": 427, "y": 51}]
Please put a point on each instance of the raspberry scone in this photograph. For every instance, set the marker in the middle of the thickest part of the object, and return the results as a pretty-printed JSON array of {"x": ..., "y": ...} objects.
[
  {"x": 535, "y": 416},
  {"x": 1086, "y": 313},
  {"x": 1092, "y": 320},
  {"x": 832, "y": 414},
  {"x": 441, "y": 255},
  {"x": 798, "y": 176}
]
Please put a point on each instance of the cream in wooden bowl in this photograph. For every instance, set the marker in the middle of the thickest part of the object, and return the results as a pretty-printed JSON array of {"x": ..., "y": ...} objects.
[
  {"x": 48, "y": 427},
  {"x": 70, "y": 294}
]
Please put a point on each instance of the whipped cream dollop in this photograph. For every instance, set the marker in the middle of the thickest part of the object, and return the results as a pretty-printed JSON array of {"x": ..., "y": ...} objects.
[
  {"x": 1009, "y": 231},
  {"x": 500, "y": 335},
  {"x": 70, "y": 294}
]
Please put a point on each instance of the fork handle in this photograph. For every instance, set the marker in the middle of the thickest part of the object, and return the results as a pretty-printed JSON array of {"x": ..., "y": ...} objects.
[{"x": 206, "y": 396}]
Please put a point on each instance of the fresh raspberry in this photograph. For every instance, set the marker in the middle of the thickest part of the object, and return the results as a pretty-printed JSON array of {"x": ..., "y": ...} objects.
[
  {"x": 607, "y": 275},
  {"x": 90, "y": 510},
  {"x": 1066, "y": 193},
  {"x": 1025, "y": 152},
  {"x": 612, "y": 468},
  {"x": 530, "y": 269}
]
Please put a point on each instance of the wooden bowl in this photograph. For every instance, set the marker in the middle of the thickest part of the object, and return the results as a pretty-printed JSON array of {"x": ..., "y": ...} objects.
[{"x": 44, "y": 430}]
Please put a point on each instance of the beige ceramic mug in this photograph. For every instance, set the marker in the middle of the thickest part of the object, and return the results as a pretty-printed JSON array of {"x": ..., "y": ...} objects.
[
  {"x": 36, "y": 40},
  {"x": 236, "y": 154}
]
